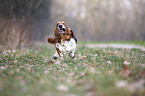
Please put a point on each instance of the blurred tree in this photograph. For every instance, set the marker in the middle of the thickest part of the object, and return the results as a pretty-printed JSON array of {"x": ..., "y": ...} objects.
[
  {"x": 22, "y": 21},
  {"x": 102, "y": 20},
  {"x": 17, "y": 18}
]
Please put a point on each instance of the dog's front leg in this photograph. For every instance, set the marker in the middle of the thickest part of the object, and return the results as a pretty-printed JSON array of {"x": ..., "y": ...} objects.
[
  {"x": 72, "y": 53},
  {"x": 57, "y": 54}
]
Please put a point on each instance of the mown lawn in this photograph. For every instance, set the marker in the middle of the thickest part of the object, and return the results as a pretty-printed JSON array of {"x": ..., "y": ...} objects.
[{"x": 94, "y": 72}]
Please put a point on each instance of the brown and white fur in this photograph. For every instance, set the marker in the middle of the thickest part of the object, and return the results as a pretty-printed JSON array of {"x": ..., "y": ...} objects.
[{"x": 64, "y": 41}]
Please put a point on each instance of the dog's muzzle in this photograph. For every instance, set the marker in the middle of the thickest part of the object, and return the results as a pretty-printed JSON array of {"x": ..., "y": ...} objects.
[{"x": 62, "y": 31}]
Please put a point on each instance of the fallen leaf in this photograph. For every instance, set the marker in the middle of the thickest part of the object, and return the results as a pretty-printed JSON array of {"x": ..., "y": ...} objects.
[
  {"x": 91, "y": 94},
  {"x": 125, "y": 71},
  {"x": 82, "y": 74},
  {"x": 62, "y": 87},
  {"x": 51, "y": 61},
  {"x": 57, "y": 63},
  {"x": 141, "y": 74},
  {"x": 94, "y": 58},
  {"x": 96, "y": 55},
  {"x": 116, "y": 52},
  {"x": 15, "y": 61},
  {"x": 46, "y": 72},
  {"x": 4, "y": 76},
  {"x": 3, "y": 67},
  {"x": 109, "y": 62},
  {"x": 121, "y": 83},
  {"x": 82, "y": 57},
  {"x": 126, "y": 63},
  {"x": 132, "y": 87},
  {"x": 92, "y": 70},
  {"x": 71, "y": 74},
  {"x": 76, "y": 58},
  {"x": 78, "y": 82}
]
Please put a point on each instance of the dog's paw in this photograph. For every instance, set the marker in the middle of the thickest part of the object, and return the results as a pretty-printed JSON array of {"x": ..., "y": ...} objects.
[
  {"x": 72, "y": 55},
  {"x": 54, "y": 57}
]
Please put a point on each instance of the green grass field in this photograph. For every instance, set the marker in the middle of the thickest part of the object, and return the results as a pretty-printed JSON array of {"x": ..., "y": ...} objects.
[{"x": 94, "y": 72}]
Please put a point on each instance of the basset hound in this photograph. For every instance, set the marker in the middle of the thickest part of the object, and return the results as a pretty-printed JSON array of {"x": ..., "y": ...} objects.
[{"x": 64, "y": 41}]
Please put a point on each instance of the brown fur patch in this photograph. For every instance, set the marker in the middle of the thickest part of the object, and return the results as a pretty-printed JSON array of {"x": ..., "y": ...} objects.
[{"x": 51, "y": 41}]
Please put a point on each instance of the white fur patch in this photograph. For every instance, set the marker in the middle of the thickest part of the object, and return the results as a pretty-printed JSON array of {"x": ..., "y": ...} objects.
[{"x": 66, "y": 47}]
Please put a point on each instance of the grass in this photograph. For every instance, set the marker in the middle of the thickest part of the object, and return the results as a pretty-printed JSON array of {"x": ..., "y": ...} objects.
[{"x": 94, "y": 72}]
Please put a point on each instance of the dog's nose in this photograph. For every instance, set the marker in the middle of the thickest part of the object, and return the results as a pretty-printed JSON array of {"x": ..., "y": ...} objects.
[{"x": 60, "y": 26}]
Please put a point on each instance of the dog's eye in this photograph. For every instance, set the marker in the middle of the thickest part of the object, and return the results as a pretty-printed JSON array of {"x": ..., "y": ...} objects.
[{"x": 63, "y": 23}]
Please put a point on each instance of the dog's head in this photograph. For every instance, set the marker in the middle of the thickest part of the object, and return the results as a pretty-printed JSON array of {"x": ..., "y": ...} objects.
[
  {"x": 62, "y": 32},
  {"x": 61, "y": 27}
]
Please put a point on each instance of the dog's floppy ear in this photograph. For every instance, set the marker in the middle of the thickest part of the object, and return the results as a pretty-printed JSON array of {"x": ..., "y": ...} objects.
[
  {"x": 70, "y": 31},
  {"x": 51, "y": 41},
  {"x": 56, "y": 32},
  {"x": 57, "y": 37},
  {"x": 73, "y": 36}
]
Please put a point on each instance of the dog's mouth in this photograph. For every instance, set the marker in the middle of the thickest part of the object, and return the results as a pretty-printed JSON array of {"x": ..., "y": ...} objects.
[{"x": 62, "y": 29}]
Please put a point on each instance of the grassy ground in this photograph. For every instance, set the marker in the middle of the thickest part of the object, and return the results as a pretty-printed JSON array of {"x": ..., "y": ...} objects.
[{"x": 94, "y": 72}]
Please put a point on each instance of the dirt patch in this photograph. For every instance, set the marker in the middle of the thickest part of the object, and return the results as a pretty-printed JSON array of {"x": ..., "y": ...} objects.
[{"x": 127, "y": 46}]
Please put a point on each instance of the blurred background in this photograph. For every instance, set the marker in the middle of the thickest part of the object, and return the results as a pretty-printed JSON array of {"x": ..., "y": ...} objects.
[{"x": 24, "y": 21}]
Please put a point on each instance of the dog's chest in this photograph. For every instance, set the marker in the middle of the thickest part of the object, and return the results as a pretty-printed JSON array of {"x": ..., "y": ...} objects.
[{"x": 66, "y": 46}]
